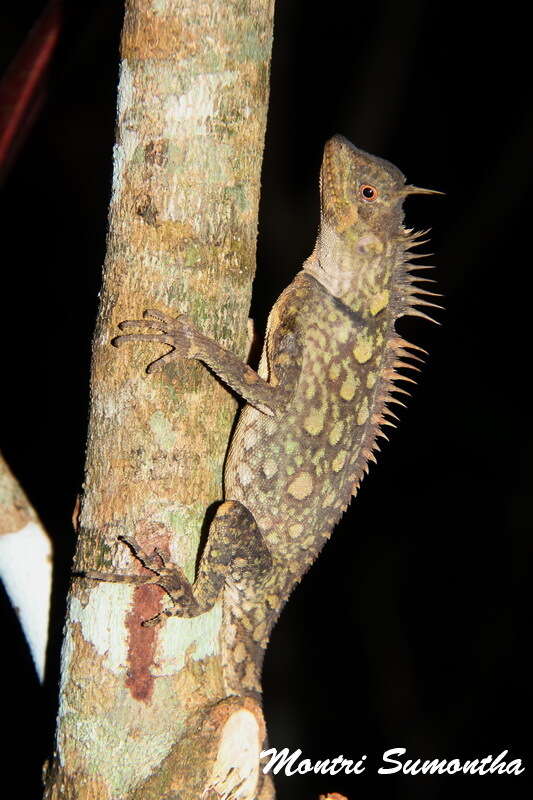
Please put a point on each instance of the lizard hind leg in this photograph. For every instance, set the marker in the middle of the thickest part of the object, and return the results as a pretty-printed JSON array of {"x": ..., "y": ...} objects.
[
  {"x": 235, "y": 554},
  {"x": 237, "y": 562},
  {"x": 166, "y": 575},
  {"x": 238, "y": 557}
]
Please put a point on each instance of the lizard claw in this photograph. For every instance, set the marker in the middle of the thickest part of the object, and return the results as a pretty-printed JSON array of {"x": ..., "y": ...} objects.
[
  {"x": 166, "y": 575},
  {"x": 159, "y": 315},
  {"x": 145, "y": 323},
  {"x": 153, "y": 622},
  {"x": 179, "y": 333},
  {"x": 153, "y": 562},
  {"x": 159, "y": 363}
]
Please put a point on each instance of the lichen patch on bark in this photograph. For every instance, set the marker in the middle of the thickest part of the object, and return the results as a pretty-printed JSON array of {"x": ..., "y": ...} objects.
[
  {"x": 195, "y": 638},
  {"x": 101, "y": 620}
]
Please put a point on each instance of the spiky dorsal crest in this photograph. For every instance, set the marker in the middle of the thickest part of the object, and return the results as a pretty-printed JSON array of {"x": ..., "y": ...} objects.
[{"x": 407, "y": 296}]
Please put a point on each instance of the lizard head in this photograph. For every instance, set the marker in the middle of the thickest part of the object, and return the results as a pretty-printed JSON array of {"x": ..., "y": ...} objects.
[
  {"x": 361, "y": 236},
  {"x": 361, "y": 195}
]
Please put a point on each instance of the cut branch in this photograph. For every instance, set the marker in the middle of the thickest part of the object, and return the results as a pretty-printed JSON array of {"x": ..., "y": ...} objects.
[{"x": 25, "y": 564}]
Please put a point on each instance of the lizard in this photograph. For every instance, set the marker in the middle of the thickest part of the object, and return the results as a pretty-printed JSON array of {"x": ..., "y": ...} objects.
[{"x": 313, "y": 410}]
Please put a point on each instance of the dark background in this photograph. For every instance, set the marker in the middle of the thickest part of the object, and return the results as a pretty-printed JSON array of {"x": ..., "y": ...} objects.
[{"x": 413, "y": 627}]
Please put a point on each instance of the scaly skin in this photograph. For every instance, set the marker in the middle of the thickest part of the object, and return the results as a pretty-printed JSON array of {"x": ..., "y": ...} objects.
[{"x": 313, "y": 413}]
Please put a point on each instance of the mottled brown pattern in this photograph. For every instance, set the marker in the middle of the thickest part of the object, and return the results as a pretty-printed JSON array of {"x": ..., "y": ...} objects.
[{"x": 313, "y": 411}]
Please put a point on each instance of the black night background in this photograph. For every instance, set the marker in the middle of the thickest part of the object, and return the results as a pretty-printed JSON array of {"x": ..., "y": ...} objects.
[{"x": 413, "y": 627}]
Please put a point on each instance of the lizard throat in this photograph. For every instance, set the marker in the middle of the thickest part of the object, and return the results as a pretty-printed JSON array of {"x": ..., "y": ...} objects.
[{"x": 361, "y": 285}]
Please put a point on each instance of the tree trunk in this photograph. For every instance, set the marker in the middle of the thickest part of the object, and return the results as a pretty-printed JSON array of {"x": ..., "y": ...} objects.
[{"x": 142, "y": 711}]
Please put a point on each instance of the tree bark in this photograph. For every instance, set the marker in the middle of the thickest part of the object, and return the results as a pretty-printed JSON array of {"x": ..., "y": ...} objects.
[{"x": 142, "y": 711}]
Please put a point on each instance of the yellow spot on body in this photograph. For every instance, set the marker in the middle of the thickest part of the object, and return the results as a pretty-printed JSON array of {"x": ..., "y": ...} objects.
[
  {"x": 314, "y": 422},
  {"x": 371, "y": 379},
  {"x": 310, "y": 391},
  {"x": 290, "y": 446},
  {"x": 333, "y": 316},
  {"x": 245, "y": 474},
  {"x": 343, "y": 333},
  {"x": 249, "y": 438},
  {"x": 318, "y": 456},
  {"x": 363, "y": 349},
  {"x": 348, "y": 388},
  {"x": 334, "y": 371},
  {"x": 320, "y": 339},
  {"x": 362, "y": 414},
  {"x": 336, "y": 433},
  {"x": 339, "y": 461},
  {"x": 302, "y": 486},
  {"x": 378, "y": 302},
  {"x": 295, "y": 530},
  {"x": 270, "y": 468},
  {"x": 328, "y": 500}
]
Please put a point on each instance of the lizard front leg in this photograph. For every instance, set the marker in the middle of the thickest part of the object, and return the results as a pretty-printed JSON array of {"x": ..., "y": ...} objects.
[
  {"x": 188, "y": 342},
  {"x": 235, "y": 553}
]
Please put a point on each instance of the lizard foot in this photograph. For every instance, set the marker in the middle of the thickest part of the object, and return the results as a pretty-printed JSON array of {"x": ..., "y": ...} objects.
[
  {"x": 180, "y": 333},
  {"x": 169, "y": 577}
]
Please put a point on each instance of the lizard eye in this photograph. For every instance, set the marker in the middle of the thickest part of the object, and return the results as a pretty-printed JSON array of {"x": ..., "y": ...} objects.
[{"x": 368, "y": 192}]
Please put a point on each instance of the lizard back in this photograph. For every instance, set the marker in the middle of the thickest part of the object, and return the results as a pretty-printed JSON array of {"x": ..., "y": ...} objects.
[{"x": 331, "y": 344}]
